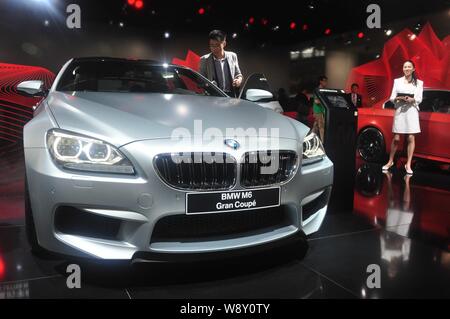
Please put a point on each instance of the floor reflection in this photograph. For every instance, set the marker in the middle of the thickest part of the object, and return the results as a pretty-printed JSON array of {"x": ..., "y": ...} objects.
[{"x": 415, "y": 206}]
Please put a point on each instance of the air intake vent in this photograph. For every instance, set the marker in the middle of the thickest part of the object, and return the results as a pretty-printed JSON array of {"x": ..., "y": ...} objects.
[
  {"x": 234, "y": 224},
  {"x": 73, "y": 221}
]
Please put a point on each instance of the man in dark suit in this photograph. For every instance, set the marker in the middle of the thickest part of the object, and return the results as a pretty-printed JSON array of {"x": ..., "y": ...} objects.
[
  {"x": 221, "y": 66},
  {"x": 354, "y": 96}
]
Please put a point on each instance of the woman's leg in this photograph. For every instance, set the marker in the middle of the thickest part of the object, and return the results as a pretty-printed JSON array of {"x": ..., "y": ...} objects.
[
  {"x": 394, "y": 146},
  {"x": 318, "y": 126},
  {"x": 411, "y": 146},
  {"x": 315, "y": 127}
]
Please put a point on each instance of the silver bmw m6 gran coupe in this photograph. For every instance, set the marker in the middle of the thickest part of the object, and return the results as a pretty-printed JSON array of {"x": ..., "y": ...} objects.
[{"x": 134, "y": 159}]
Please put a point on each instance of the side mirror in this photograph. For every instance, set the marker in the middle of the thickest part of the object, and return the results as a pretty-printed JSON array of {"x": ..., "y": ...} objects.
[
  {"x": 31, "y": 88},
  {"x": 255, "y": 95}
]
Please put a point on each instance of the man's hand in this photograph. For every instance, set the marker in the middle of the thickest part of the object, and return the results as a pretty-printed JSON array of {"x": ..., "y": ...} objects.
[{"x": 237, "y": 82}]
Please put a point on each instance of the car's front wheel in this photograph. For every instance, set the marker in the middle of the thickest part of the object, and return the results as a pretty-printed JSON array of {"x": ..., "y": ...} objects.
[{"x": 371, "y": 145}]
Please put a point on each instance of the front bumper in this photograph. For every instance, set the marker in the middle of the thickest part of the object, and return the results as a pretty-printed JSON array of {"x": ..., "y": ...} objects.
[{"x": 130, "y": 207}]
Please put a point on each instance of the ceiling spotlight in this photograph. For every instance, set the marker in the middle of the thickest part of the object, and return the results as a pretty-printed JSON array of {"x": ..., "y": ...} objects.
[
  {"x": 46, "y": 23},
  {"x": 276, "y": 28},
  {"x": 234, "y": 35},
  {"x": 377, "y": 57},
  {"x": 388, "y": 32},
  {"x": 166, "y": 35},
  {"x": 412, "y": 36},
  {"x": 139, "y": 4},
  {"x": 293, "y": 25},
  {"x": 361, "y": 35},
  {"x": 121, "y": 24},
  {"x": 201, "y": 11}
]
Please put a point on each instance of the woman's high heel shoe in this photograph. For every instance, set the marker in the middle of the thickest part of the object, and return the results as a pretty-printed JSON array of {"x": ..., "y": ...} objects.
[
  {"x": 387, "y": 167},
  {"x": 409, "y": 172}
]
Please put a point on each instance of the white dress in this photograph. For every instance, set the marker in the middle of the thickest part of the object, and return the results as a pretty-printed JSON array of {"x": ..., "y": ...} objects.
[{"x": 406, "y": 118}]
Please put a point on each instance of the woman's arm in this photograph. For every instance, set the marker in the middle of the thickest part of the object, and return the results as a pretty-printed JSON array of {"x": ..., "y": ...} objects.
[
  {"x": 418, "y": 92},
  {"x": 394, "y": 93}
]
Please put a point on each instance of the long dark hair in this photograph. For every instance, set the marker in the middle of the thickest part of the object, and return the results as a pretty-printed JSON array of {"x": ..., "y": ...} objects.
[{"x": 414, "y": 74}]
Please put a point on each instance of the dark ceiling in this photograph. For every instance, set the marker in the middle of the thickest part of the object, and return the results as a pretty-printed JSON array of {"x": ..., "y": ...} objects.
[{"x": 262, "y": 21}]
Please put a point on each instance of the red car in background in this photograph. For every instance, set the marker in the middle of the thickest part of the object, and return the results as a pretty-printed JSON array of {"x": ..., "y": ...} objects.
[{"x": 433, "y": 143}]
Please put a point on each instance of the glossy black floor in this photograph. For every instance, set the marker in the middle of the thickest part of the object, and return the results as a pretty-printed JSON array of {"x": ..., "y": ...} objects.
[{"x": 401, "y": 224}]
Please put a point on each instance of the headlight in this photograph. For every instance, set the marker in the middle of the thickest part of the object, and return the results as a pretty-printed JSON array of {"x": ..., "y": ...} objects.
[
  {"x": 81, "y": 153},
  {"x": 313, "y": 150}
]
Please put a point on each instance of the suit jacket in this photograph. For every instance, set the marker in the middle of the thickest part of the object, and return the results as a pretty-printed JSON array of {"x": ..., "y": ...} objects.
[
  {"x": 207, "y": 66},
  {"x": 358, "y": 99}
]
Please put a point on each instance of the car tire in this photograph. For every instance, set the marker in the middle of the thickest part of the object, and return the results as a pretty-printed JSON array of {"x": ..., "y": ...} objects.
[{"x": 371, "y": 145}]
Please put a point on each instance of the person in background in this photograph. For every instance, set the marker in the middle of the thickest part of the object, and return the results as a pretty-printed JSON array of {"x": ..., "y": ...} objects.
[
  {"x": 319, "y": 110},
  {"x": 354, "y": 96},
  {"x": 283, "y": 99},
  {"x": 303, "y": 105},
  {"x": 220, "y": 66},
  {"x": 406, "y": 95}
]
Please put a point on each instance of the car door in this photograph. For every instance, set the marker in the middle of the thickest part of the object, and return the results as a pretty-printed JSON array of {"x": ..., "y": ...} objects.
[{"x": 434, "y": 115}]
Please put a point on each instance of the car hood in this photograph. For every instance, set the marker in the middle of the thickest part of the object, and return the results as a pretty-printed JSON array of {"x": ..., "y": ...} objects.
[{"x": 121, "y": 118}]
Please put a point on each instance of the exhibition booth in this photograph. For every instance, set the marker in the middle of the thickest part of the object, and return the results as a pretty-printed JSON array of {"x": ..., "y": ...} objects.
[{"x": 224, "y": 155}]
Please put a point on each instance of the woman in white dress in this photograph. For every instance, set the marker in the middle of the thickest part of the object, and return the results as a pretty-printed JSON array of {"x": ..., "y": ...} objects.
[{"x": 406, "y": 96}]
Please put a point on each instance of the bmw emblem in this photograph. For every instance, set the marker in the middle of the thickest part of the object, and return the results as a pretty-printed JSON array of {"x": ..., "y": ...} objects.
[{"x": 232, "y": 143}]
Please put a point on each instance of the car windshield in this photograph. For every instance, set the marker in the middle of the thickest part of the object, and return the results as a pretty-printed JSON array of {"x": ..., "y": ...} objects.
[{"x": 133, "y": 76}]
